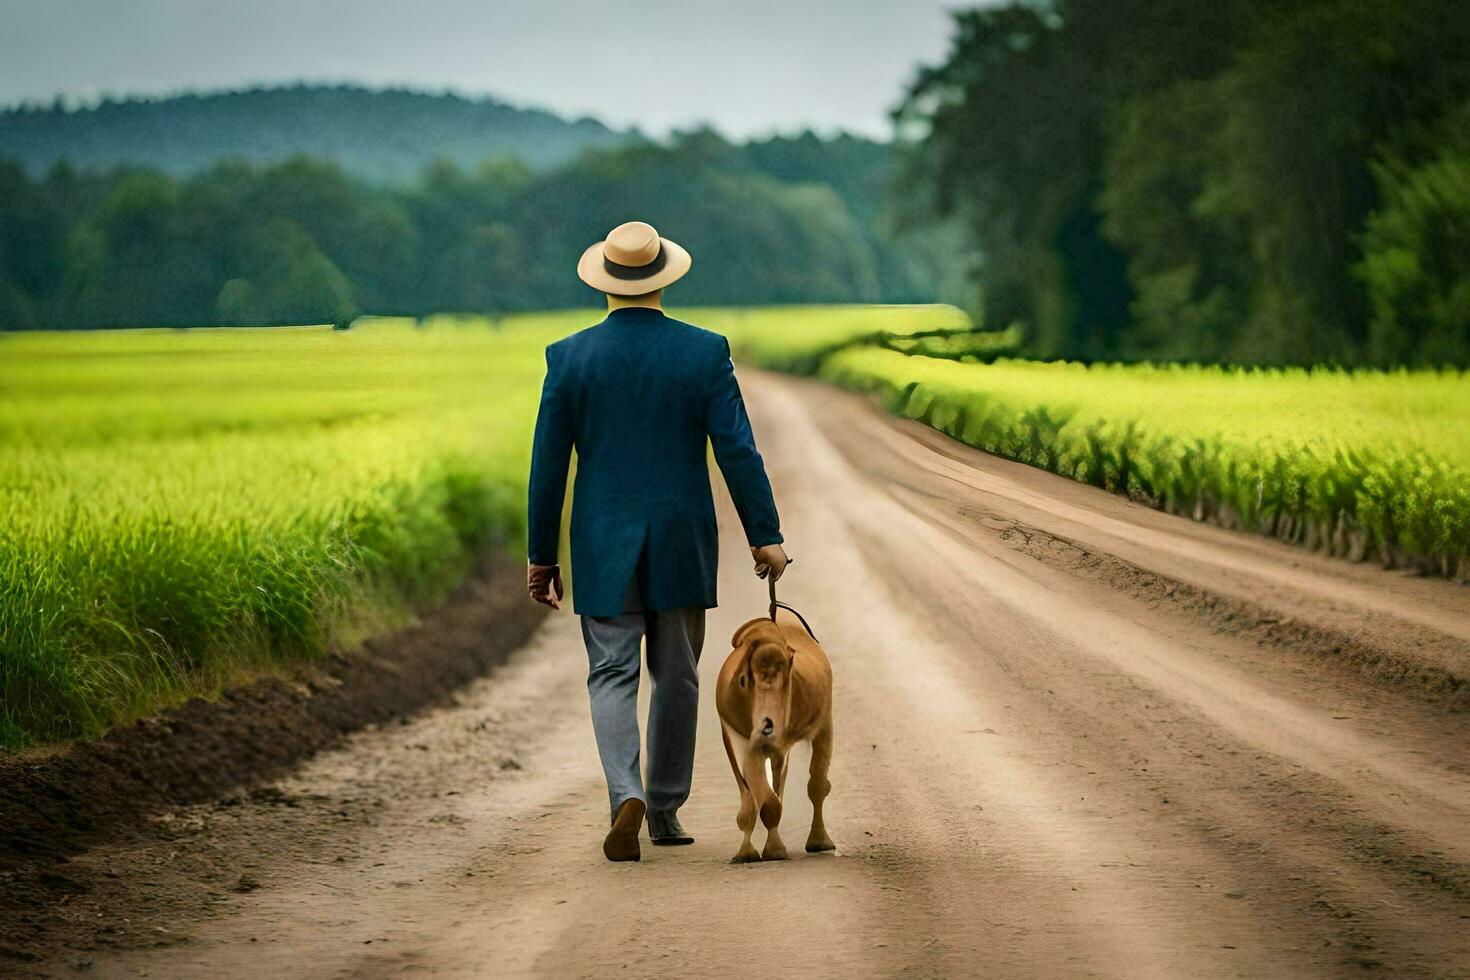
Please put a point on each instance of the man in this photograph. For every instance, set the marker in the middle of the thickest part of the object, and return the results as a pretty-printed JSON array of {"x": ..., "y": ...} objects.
[{"x": 639, "y": 396}]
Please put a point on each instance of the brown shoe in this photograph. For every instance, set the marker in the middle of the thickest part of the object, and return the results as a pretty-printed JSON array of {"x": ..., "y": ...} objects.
[{"x": 622, "y": 841}]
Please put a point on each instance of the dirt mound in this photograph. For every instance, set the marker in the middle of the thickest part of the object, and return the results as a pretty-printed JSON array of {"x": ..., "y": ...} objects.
[{"x": 52, "y": 804}]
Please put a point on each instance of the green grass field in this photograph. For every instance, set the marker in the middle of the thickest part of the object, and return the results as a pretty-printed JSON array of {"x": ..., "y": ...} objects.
[
  {"x": 797, "y": 338},
  {"x": 181, "y": 510},
  {"x": 1359, "y": 463}
]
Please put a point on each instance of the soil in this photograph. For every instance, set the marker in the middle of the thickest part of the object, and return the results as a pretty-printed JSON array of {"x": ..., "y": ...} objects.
[
  {"x": 56, "y": 803},
  {"x": 1075, "y": 736}
]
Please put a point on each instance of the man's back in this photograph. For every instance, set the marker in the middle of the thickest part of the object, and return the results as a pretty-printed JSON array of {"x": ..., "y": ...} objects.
[
  {"x": 636, "y": 384},
  {"x": 637, "y": 396}
]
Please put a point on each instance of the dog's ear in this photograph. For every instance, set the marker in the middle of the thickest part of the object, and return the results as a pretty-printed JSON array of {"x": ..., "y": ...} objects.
[
  {"x": 742, "y": 666},
  {"x": 742, "y": 632},
  {"x": 742, "y": 673}
]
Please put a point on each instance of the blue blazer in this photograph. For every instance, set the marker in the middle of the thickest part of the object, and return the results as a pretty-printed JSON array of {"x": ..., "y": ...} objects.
[{"x": 637, "y": 396}]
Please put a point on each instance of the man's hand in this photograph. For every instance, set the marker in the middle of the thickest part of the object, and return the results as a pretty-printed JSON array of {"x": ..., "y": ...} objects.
[
  {"x": 770, "y": 559},
  {"x": 542, "y": 581}
]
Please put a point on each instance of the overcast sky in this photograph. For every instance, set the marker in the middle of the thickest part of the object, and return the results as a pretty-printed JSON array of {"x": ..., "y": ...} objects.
[{"x": 748, "y": 66}]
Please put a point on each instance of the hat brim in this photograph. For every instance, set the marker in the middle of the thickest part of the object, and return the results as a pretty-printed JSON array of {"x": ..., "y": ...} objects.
[{"x": 592, "y": 271}]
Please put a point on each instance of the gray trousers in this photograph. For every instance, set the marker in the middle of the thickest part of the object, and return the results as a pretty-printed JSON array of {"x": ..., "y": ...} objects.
[{"x": 675, "y": 637}]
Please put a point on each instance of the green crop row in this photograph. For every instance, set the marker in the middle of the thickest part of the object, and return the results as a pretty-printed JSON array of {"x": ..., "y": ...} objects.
[
  {"x": 180, "y": 510},
  {"x": 797, "y": 338},
  {"x": 971, "y": 346},
  {"x": 183, "y": 509},
  {"x": 1361, "y": 463}
]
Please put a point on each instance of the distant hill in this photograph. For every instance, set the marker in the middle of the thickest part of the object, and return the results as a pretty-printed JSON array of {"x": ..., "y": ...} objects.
[{"x": 381, "y": 135}]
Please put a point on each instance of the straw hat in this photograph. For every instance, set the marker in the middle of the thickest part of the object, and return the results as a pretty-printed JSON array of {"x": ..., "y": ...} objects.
[{"x": 632, "y": 261}]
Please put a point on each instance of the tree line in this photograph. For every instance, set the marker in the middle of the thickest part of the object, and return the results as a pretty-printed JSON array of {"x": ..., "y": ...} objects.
[
  {"x": 782, "y": 220},
  {"x": 1277, "y": 181},
  {"x": 1252, "y": 181}
]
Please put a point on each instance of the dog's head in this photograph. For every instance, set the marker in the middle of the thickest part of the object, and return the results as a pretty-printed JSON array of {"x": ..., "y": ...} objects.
[{"x": 765, "y": 672}]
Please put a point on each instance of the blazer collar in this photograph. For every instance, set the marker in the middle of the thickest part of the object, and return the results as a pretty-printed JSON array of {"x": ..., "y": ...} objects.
[{"x": 634, "y": 314}]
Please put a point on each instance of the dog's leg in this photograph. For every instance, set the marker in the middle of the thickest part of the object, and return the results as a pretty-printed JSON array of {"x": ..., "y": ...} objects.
[
  {"x": 775, "y": 849},
  {"x": 766, "y": 801},
  {"x": 779, "y": 768},
  {"x": 735, "y": 747},
  {"x": 754, "y": 772},
  {"x": 817, "y": 788}
]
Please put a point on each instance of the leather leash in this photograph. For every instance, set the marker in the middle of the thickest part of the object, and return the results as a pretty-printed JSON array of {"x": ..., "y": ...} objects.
[{"x": 775, "y": 604}]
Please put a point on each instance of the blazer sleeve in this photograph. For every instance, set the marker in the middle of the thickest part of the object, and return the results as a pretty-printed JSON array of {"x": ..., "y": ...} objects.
[
  {"x": 735, "y": 452},
  {"x": 551, "y": 456}
]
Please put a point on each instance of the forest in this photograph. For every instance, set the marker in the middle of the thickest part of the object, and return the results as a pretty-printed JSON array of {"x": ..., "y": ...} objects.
[
  {"x": 1232, "y": 182},
  {"x": 1239, "y": 180},
  {"x": 783, "y": 220}
]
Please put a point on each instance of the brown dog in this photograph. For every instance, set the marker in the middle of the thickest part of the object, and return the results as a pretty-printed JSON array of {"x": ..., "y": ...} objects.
[{"x": 775, "y": 690}]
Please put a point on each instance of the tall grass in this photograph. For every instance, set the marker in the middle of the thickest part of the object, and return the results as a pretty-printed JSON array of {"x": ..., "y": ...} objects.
[
  {"x": 182, "y": 509},
  {"x": 1361, "y": 463},
  {"x": 797, "y": 338}
]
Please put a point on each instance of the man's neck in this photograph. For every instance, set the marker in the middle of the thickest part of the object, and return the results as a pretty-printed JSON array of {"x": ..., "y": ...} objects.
[{"x": 654, "y": 301}]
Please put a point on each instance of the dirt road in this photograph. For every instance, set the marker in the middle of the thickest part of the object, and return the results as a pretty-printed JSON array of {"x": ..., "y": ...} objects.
[{"x": 1075, "y": 736}]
